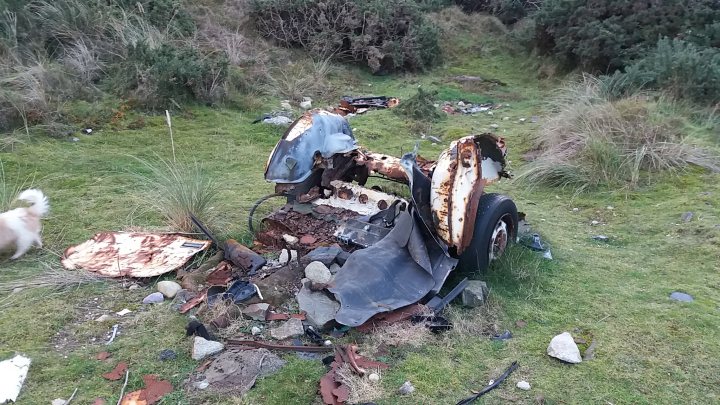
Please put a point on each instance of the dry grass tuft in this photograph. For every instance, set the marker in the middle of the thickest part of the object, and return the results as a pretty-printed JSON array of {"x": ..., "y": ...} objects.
[
  {"x": 295, "y": 80},
  {"x": 472, "y": 323},
  {"x": 396, "y": 335},
  {"x": 461, "y": 32},
  {"x": 230, "y": 311},
  {"x": 595, "y": 141},
  {"x": 362, "y": 390},
  {"x": 52, "y": 277}
]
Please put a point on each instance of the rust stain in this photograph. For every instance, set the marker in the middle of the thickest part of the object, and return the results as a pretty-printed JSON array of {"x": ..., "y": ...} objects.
[
  {"x": 155, "y": 389},
  {"x": 117, "y": 373}
]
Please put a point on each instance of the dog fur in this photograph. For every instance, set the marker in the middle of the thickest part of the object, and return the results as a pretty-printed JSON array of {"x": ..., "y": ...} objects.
[{"x": 21, "y": 227}]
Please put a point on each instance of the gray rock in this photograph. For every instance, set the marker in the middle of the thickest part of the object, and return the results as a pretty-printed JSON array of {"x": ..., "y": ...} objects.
[
  {"x": 687, "y": 217},
  {"x": 324, "y": 254},
  {"x": 256, "y": 311},
  {"x": 203, "y": 348},
  {"x": 475, "y": 294},
  {"x": 133, "y": 286},
  {"x": 58, "y": 401},
  {"x": 594, "y": 223},
  {"x": 563, "y": 347},
  {"x": 291, "y": 327},
  {"x": 285, "y": 105},
  {"x": 168, "y": 288},
  {"x": 494, "y": 126},
  {"x": 235, "y": 372},
  {"x": 523, "y": 385},
  {"x": 407, "y": 388},
  {"x": 334, "y": 268},
  {"x": 318, "y": 273},
  {"x": 154, "y": 298},
  {"x": 279, "y": 121},
  {"x": 103, "y": 318},
  {"x": 167, "y": 354},
  {"x": 306, "y": 105},
  {"x": 320, "y": 308},
  {"x": 681, "y": 296}
]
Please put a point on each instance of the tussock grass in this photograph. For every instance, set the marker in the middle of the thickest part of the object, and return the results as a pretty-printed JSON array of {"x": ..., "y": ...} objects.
[
  {"x": 176, "y": 190},
  {"x": 594, "y": 141},
  {"x": 362, "y": 390},
  {"x": 10, "y": 189},
  {"x": 53, "y": 277}
]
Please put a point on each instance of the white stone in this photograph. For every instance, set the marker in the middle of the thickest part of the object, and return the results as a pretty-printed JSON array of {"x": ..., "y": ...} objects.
[
  {"x": 291, "y": 327},
  {"x": 306, "y": 105},
  {"x": 293, "y": 255},
  {"x": 317, "y": 272},
  {"x": 595, "y": 223},
  {"x": 124, "y": 312},
  {"x": 374, "y": 377},
  {"x": 201, "y": 385},
  {"x": 203, "y": 348},
  {"x": 168, "y": 288},
  {"x": 58, "y": 401},
  {"x": 524, "y": 385},
  {"x": 284, "y": 257},
  {"x": 292, "y": 240},
  {"x": 407, "y": 388},
  {"x": 563, "y": 347},
  {"x": 285, "y": 105},
  {"x": 103, "y": 318},
  {"x": 576, "y": 209},
  {"x": 255, "y": 331}
]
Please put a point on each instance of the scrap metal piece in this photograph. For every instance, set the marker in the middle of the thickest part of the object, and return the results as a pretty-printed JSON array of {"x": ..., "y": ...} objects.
[
  {"x": 12, "y": 376},
  {"x": 391, "y": 276},
  {"x": 356, "y": 198},
  {"x": 461, "y": 174},
  {"x": 132, "y": 254},
  {"x": 316, "y": 132},
  {"x": 438, "y": 304},
  {"x": 240, "y": 255},
  {"x": 240, "y": 344},
  {"x": 490, "y": 387}
]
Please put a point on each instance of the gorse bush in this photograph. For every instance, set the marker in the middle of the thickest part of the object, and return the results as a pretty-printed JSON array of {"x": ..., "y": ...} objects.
[
  {"x": 385, "y": 36},
  {"x": 593, "y": 141},
  {"x": 508, "y": 11},
  {"x": 683, "y": 69},
  {"x": 607, "y": 35},
  {"x": 420, "y": 106}
]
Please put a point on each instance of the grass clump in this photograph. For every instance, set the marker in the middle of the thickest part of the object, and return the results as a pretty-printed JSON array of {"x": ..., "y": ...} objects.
[
  {"x": 593, "y": 141},
  {"x": 420, "y": 106},
  {"x": 178, "y": 190}
]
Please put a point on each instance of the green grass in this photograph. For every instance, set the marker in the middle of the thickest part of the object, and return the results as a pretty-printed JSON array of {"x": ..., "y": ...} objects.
[{"x": 650, "y": 350}]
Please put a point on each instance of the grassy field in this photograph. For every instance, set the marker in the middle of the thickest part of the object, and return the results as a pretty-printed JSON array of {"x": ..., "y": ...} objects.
[{"x": 649, "y": 349}]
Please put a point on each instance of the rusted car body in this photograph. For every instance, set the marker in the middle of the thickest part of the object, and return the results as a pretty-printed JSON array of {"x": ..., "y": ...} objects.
[{"x": 402, "y": 247}]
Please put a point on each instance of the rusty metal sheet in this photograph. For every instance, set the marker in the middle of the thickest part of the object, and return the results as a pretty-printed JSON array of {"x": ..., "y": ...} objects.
[
  {"x": 132, "y": 254},
  {"x": 390, "y": 166},
  {"x": 460, "y": 176}
]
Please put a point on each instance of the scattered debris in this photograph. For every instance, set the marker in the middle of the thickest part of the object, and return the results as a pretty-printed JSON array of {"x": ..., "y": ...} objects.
[
  {"x": 103, "y": 318},
  {"x": 523, "y": 385},
  {"x": 235, "y": 372},
  {"x": 255, "y": 331},
  {"x": 123, "y": 312},
  {"x": 154, "y": 298},
  {"x": 168, "y": 288},
  {"x": 196, "y": 328},
  {"x": 332, "y": 388},
  {"x": 203, "y": 348},
  {"x": 234, "y": 252},
  {"x": 407, "y": 388},
  {"x": 361, "y": 105},
  {"x": 502, "y": 336},
  {"x": 563, "y": 347},
  {"x": 12, "y": 377},
  {"x": 102, "y": 356},
  {"x": 493, "y": 384},
  {"x": 535, "y": 243},
  {"x": 681, "y": 296},
  {"x": 114, "y": 333},
  {"x": 117, "y": 372},
  {"x": 132, "y": 254},
  {"x": 155, "y": 389},
  {"x": 167, "y": 354},
  {"x": 467, "y": 108},
  {"x": 687, "y": 217},
  {"x": 255, "y": 344},
  {"x": 590, "y": 351},
  {"x": 291, "y": 327},
  {"x": 601, "y": 238},
  {"x": 306, "y": 105},
  {"x": 475, "y": 293},
  {"x": 594, "y": 222},
  {"x": 279, "y": 120}
]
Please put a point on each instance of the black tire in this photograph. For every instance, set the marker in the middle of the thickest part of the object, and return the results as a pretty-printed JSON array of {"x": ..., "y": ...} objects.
[{"x": 492, "y": 210}]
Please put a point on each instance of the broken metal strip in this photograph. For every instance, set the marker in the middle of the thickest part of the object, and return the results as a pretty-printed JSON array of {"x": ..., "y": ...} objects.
[
  {"x": 438, "y": 308},
  {"x": 254, "y": 344}
]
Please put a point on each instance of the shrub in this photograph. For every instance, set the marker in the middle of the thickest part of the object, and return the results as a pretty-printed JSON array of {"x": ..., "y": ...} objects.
[
  {"x": 508, "y": 11},
  {"x": 420, "y": 107},
  {"x": 593, "y": 141},
  {"x": 684, "y": 69},
  {"x": 606, "y": 35},
  {"x": 178, "y": 190},
  {"x": 385, "y": 36}
]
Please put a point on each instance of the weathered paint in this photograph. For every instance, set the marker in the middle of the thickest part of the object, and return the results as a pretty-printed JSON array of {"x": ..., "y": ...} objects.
[
  {"x": 356, "y": 198},
  {"x": 460, "y": 176}
]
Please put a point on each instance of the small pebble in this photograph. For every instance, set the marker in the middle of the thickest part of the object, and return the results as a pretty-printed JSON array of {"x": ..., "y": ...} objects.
[
  {"x": 327, "y": 343},
  {"x": 201, "y": 385},
  {"x": 601, "y": 238},
  {"x": 124, "y": 312},
  {"x": 168, "y": 354},
  {"x": 154, "y": 298},
  {"x": 595, "y": 223},
  {"x": 255, "y": 331},
  {"x": 103, "y": 318},
  {"x": 524, "y": 385},
  {"x": 374, "y": 377},
  {"x": 576, "y": 209},
  {"x": 610, "y": 207}
]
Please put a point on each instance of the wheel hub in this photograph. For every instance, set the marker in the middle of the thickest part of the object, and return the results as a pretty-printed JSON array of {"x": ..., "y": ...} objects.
[{"x": 498, "y": 240}]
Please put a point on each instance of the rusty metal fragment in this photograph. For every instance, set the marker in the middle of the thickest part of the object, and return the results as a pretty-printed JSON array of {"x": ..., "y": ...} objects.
[
  {"x": 352, "y": 197},
  {"x": 390, "y": 166},
  {"x": 155, "y": 389},
  {"x": 332, "y": 390},
  {"x": 132, "y": 254},
  {"x": 240, "y": 344}
]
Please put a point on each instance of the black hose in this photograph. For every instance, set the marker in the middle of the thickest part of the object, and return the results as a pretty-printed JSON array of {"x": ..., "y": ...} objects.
[
  {"x": 490, "y": 387},
  {"x": 255, "y": 207}
]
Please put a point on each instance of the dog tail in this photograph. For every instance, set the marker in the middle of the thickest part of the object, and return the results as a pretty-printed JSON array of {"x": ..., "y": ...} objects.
[{"x": 39, "y": 204}]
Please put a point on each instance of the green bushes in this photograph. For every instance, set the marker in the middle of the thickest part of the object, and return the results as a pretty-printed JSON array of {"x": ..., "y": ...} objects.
[
  {"x": 385, "y": 36},
  {"x": 683, "y": 69},
  {"x": 607, "y": 35}
]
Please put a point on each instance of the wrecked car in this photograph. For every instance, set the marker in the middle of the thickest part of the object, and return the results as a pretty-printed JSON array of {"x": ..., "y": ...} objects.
[{"x": 401, "y": 247}]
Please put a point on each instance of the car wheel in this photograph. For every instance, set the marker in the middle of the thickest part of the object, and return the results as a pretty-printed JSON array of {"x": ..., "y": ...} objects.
[{"x": 496, "y": 227}]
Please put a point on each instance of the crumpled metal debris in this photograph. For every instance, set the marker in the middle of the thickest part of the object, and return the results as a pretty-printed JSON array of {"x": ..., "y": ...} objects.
[
  {"x": 468, "y": 108},
  {"x": 12, "y": 376},
  {"x": 234, "y": 372},
  {"x": 360, "y": 105},
  {"x": 154, "y": 390},
  {"x": 332, "y": 390},
  {"x": 132, "y": 254}
]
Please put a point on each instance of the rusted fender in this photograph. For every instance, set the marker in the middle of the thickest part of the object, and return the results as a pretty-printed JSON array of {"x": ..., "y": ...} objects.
[
  {"x": 460, "y": 175},
  {"x": 390, "y": 166}
]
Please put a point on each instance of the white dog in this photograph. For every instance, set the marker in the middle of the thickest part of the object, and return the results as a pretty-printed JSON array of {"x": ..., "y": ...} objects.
[{"x": 21, "y": 226}]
